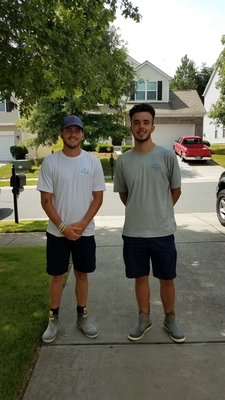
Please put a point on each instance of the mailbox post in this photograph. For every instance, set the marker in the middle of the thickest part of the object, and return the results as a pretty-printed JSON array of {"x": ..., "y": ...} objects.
[
  {"x": 111, "y": 160},
  {"x": 17, "y": 183}
]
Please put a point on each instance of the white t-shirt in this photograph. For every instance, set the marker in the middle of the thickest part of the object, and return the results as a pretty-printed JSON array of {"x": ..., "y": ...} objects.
[
  {"x": 148, "y": 179},
  {"x": 72, "y": 181}
]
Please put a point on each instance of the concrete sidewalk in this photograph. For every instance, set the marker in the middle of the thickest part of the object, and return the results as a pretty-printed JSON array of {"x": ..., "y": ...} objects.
[{"x": 112, "y": 368}]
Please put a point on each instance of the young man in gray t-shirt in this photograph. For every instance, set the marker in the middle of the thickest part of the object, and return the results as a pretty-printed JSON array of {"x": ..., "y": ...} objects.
[{"x": 148, "y": 181}]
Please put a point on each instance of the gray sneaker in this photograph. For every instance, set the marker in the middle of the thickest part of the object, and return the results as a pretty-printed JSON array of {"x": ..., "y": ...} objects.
[
  {"x": 53, "y": 325},
  {"x": 143, "y": 326},
  {"x": 86, "y": 326},
  {"x": 171, "y": 327}
]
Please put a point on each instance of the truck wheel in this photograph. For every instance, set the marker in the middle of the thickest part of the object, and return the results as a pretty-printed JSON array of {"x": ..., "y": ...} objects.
[{"x": 220, "y": 207}]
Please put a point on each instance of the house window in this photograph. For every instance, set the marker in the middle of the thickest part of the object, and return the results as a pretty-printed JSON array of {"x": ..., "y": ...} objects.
[
  {"x": 151, "y": 90},
  {"x": 146, "y": 91},
  {"x": 2, "y": 105},
  {"x": 140, "y": 91},
  {"x": 216, "y": 133},
  {"x": 223, "y": 131}
]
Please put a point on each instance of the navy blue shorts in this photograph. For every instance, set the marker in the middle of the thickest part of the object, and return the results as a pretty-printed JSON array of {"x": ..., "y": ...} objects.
[
  {"x": 59, "y": 250},
  {"x": 161, "y": 252}
]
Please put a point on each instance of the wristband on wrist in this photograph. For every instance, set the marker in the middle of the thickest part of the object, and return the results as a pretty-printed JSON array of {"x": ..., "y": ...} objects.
[{"x": 61, "y": 227}]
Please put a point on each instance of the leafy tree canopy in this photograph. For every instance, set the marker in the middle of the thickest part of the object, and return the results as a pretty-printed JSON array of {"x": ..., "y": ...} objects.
[
  {"x": 59, "y": 48},
  {"x": 188, "y": 76},
  {"x": 185, "y": 76},
  {"x": 46, "y": 117},
  {"x": 218, "y": 110}
]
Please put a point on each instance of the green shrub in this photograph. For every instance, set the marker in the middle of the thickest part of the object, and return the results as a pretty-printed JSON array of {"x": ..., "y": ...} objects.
[
  {"x": 104, "y": 148},
  {"x": 125, "y": 148},
  {"x": 219, "y": 151},
  {"x": 206, "y": 142},
  {"x": 88, "y": 146},
  {"x": 18, "y": 152}
]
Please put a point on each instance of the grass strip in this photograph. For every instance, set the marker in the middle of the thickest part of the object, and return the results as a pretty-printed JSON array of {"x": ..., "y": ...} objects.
[
  {"x": 24, "y": 308},
  {"x": 23, "y": 226}
]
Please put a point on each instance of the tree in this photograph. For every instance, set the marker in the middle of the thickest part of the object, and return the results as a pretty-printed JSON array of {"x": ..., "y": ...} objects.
[
  {"x": 46, "y": 117},
  {"x": 218, "y": 109},
  {"x": 188, "y": 76},
  {"x": 55, "y": 49},
  {"x": 202, "y": 78},
  {"x": 185, "y": 76}
]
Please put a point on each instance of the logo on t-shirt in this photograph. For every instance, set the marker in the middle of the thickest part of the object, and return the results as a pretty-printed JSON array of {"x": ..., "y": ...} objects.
[
  {"x": 85, "y": 171},
  {"x": 156, "y": 166}
]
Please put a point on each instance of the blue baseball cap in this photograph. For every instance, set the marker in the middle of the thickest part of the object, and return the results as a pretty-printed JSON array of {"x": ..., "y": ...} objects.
[{"x": 72, "y": 120}]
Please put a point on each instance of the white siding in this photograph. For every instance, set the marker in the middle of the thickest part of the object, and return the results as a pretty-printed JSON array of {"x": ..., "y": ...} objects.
[
  {"x": 211, "y": 131},
  {"x": 147, "y": 73}
]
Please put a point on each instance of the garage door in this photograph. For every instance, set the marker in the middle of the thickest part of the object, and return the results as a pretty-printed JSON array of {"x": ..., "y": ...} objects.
[
  {"x": 165, "y": 135},
  {"x": 6, "y": 141}
]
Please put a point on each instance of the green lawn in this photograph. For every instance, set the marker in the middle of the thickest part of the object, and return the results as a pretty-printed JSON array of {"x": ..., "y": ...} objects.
[
  {"x": 24, "y": 308},
  {"x": 218, "y": 154},
  {"x": 6, "y": 171},
  {"x": 23, "y": 226}
]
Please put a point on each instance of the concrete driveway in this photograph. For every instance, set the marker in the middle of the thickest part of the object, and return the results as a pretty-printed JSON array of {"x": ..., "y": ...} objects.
[{"x": 200, "y": 171}]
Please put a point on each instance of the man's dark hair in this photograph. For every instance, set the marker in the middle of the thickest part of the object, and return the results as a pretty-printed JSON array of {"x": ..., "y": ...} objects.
[{"x": 143, "y": 107}]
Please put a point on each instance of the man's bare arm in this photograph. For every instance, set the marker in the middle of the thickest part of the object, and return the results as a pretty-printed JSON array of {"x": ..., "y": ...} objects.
[
  {"x": 123, "y": 197},
  {"x": 175, "y": 194}
]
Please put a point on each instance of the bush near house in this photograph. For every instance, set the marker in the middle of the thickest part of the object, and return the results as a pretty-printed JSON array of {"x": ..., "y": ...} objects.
[
  {"x": 218, "y": 150},
  {"x": 88, "y": 146},
  {"x": 104, "y": 148},
  {"x": 18, "y": 152}
]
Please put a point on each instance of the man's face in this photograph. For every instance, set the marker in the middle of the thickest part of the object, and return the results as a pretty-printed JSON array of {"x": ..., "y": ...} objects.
[
  {"x": 72, "y": 136},
  {"x": 142, "y": 126}
]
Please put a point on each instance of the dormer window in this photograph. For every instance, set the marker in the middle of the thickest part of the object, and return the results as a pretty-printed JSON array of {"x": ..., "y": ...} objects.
[{"x": 147, "y": 91}]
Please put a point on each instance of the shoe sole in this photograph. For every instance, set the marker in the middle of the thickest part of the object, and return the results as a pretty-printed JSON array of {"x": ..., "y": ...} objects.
[
  {"x": 132, "y": 338},
  {"x": 181, "y": 340},
  {"x": 85, "y": 334},
  {"x": 48, "y": 341}
]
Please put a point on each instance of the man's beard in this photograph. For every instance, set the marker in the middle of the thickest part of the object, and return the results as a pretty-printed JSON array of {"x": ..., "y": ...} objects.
[
  {"x": 71, "y": 146},
  {"x": 142, "y": 140}
]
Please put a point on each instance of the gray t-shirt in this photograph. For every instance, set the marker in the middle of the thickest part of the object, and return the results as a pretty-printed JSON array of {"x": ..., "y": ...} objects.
[{"x": 148, "y": 179}]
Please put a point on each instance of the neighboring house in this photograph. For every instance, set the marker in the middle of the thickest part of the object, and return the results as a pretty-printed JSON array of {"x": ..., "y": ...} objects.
[
  {"x": 178, "y": 112},
  {"x": 213, "y": 132},
  {"x": 11, "y": 135}
]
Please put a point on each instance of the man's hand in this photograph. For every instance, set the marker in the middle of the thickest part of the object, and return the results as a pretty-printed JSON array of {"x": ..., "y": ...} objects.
[{"x": 73, "y": 232}]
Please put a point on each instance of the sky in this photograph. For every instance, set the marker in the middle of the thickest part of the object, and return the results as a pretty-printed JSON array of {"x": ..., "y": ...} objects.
[{"x": 170, "y": 29}]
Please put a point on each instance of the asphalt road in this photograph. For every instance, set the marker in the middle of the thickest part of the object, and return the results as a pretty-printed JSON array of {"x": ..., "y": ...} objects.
[{"x": 199, "y": 183}]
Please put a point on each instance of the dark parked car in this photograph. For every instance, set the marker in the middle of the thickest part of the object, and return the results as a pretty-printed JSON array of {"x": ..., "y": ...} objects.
[{"x": 220, "y": 199}]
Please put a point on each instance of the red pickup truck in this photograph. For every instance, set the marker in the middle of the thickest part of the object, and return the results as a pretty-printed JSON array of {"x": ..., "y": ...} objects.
[{"x": 192, "y": 148}]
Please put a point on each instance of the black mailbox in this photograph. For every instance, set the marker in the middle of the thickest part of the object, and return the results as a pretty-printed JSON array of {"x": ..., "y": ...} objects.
[{"x": 20, "y": 181}]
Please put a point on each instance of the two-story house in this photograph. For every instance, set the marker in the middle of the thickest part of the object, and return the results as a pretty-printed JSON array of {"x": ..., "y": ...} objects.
[
  {"x": 213, "y": 132},
  {"x": 178, "y": 112},
  {"x": 11, "y": 135}
]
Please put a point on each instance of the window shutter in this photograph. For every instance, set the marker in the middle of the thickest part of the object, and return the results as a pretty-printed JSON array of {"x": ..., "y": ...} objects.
[
  {"x": 159, "y": 95},
  {"x": 132, "y": 92},
  {"x": 8, "y": 105}
]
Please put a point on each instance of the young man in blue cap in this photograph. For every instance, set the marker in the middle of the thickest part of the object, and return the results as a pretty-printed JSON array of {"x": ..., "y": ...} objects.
[
  {"x": 148, "y": 181},
  {"x": 71, "y": 183}
]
